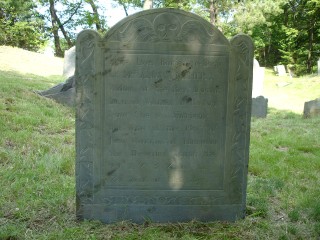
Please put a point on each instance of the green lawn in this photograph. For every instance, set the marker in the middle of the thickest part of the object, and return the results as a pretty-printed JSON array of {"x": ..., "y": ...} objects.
[{"x": 37, "y": 194}]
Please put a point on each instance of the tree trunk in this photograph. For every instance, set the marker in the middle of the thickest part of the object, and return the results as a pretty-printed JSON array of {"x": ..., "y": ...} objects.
[
  {"x": 213, "y": 11},
  {"x": 124, "y": 7},
  {"x": 125, "y": 10},
  {"x": 95, "y": 14},
  {"x": 55, "y": 28},
  {"x": 65, "y": 34},
  {"x": 310, "y": 48}
]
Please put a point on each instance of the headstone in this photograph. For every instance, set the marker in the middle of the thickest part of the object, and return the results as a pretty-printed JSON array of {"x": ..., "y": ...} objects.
[
  {"x": 281, "y": 70},
  {"x": 148, "y": 4},
  {"x": 63, "y": 93},
  {"x": 258, "y": 77},
  {"x": 69, "y": 62},
  {"x": 162, "y": 120},
  {"x": 259, "y": 107},
  {"x": 319, "y": 67},
  {"x": 312, "y": 108}
]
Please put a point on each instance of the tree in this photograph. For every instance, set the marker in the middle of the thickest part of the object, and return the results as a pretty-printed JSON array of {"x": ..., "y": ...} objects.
[
  {"x": 61, "y": 21},
  {"x": 94, "y": 18},
  {"x": 295, "y": 35},
  {"x": 54, "y": 29},
  {"x": 126, "y": 4},
  {"x": 65, "y": 22},
  {"x": 21, "y": 25}
]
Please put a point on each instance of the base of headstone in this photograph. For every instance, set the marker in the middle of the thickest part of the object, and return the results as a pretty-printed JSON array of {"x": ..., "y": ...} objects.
[
  {"x": 259, "y": 107},
  {"x": 312, "y": 108}
]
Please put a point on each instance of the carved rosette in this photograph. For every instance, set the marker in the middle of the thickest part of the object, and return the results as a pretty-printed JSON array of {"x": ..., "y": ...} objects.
[
  {"x": 85, "y": 69},
  {"x": 241, "y": 117}
]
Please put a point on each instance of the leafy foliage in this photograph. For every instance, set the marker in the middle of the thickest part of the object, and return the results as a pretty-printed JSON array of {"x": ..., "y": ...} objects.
[{"x": 21, "y": 25}]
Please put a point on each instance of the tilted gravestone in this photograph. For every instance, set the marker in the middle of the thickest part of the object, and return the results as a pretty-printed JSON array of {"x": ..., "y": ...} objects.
[
  {"x": 311, "y": 108},
  {"x": 63, "y": 93},
  {"x": 162, "y": 120}
]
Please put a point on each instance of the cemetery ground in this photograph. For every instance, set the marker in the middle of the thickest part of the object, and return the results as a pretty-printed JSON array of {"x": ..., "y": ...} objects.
[{"x": 37, "y": 158}]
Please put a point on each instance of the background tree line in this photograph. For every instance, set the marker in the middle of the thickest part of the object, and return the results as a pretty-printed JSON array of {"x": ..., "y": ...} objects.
[{"x": 284, "y": 31}]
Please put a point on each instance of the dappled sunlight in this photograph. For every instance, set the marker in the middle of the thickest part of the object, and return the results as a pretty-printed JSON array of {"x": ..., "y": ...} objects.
[
  {"x": 23, "y": 61},
  {"x": 176, "y": 175}
]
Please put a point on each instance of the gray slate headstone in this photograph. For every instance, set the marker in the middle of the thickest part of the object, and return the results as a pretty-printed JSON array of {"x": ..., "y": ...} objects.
[
  {"x": 259, "y": 107},
  {"x": 312, "y": 108},
  {"x": 162, "y": 120},
  {"x": 69, "y": 62}
]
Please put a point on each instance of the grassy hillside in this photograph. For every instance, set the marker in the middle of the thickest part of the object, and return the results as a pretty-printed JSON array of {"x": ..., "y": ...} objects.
[
  {"x": 285, "y": 93},
  {"x": 22, "y": 61},
  {"x": 37, "y": 196}
]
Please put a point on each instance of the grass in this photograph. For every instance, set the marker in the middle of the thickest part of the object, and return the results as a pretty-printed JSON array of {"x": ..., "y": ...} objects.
[
  {"x": 37, "y": 196},
  {"x": 285, "y": 93}
]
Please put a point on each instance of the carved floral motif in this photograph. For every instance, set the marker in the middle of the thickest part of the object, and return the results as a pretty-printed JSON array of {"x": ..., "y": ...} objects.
[{"x": 166, "y": 27}]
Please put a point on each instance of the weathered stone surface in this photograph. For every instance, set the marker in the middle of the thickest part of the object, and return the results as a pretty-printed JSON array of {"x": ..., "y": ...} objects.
[
  {"x": 163, "y": 112},
  {"x": 69, "y": 63},
  {"x": 259, "y": 107},
  {"x": 258, "y": 77},
  {"x": 312, "y": 108}
]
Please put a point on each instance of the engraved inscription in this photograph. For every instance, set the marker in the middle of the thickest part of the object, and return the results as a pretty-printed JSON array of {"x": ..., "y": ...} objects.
[{"x": 167, "y": 113}]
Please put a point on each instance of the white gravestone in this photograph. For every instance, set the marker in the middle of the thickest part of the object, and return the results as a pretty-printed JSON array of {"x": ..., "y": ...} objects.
[
  {"x": 69, "y": 62},
  {"x": 281, "y": 70},
  {"x": 258, "y": 77}
]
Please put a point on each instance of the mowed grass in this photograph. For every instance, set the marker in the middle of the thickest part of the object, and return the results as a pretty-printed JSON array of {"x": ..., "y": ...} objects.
[{"x": 37, "y": 193}]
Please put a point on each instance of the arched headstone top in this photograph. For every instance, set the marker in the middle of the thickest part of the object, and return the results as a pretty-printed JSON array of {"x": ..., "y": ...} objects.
[{"x": 165, "y": 25}]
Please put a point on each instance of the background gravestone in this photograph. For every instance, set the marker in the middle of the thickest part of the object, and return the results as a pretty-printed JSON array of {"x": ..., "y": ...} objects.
[
  {"x": 259, "y": 107},
  {"x": 312, "y": 108},
  {"x": 162, "y": 120},
  {"x": 63, "y": 93},
  {"x": 258, "y": 77},
  {"x": 281, "y": 71},
  {"x": 69, "y": 62}
]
